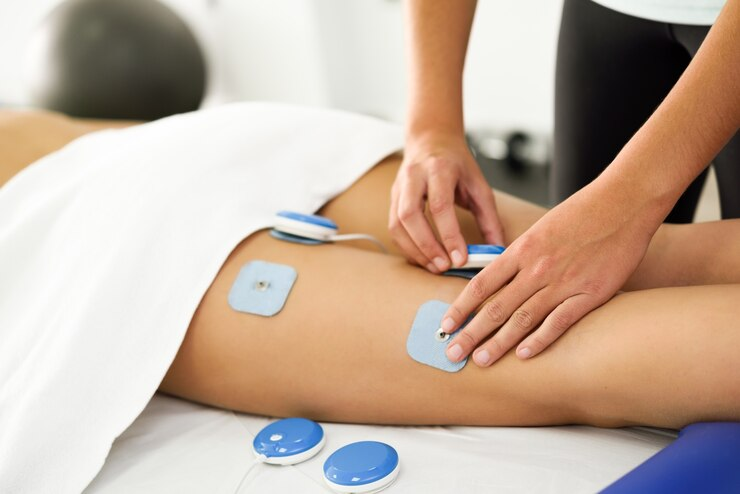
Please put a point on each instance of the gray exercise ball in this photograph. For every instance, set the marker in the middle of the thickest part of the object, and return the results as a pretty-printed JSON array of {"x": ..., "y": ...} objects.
[{"x": 118, "y": 59}]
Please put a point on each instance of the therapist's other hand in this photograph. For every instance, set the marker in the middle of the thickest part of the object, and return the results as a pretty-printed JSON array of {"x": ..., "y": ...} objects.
[
  {"x": 570, "y": 262},
  {"x": 439, "y": 169}
]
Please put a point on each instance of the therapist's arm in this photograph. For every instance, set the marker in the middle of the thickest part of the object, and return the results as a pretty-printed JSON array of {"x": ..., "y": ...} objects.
[
  {"x": 580, "y": 253},
  {"x": 438, "y": 167}
]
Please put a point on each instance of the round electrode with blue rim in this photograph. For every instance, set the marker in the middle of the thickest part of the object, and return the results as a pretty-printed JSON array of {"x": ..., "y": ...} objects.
[
  {"x": 287, "y": 237},
  {"x": 481, "y": 255},
  {"x": 288, "y": 441},
  {"x": 312, "y": 229},
  {"x": 361, "y": 467},
  {"x": 305, "y": 226}
]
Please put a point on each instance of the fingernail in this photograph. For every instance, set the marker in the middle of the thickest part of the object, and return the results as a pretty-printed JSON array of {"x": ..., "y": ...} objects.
[
  {"x": 430, "y": 267},
  {"x": 524, "y": 352},
  {"x": 457, "y": 258},
  {"x": 448, "y": 325},
  {"x": 482, "y": 357},
  {"x": 454, "y": 352},
  {"x": 440, "y": 263}
]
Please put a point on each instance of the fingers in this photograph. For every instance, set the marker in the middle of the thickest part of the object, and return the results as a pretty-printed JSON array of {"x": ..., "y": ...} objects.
[
  {"x": 442, "y": 207},
  {"x": 558, "y": 322},
  {"x": 483, "y": 206},
  {"x": 407, "y": 246},
  {"x": 495, "y": 313},
  {"x": 411, "y": 214},
  {"x": 522, "y": 321},
  {"x": 438, "y": 177}
]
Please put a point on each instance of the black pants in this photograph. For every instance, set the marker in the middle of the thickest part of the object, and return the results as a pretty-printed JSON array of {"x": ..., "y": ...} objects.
[{"x": 613, "y": 70}]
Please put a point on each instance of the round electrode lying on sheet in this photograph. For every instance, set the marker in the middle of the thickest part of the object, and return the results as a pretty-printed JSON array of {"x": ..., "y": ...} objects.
[
  {"x": 288, "y": 441},
  {"x": 362, "y": 467},
  {"x": 481, "y": 255}
]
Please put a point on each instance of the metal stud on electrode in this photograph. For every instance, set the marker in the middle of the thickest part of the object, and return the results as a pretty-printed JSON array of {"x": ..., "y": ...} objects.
[
  {"x": 440, "y": 335},
  {"x": 261, "y": 286}
]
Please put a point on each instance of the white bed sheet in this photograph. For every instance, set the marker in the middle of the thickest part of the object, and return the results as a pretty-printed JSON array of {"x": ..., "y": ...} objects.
[{"x": 177, "y": 446}]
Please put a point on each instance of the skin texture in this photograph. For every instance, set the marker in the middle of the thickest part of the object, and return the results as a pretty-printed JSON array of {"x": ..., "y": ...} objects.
[
  {"x": 660, "y": 356},
  {"x": 579, "y": 254}
]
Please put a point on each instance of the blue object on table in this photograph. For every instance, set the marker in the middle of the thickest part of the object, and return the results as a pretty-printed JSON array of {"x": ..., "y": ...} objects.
[
  {"x": 704, "y": 458},
  {"x": 262, "y": 288},
  {"x": 288, "y": 441},
  {"x": 361, "y": 467}
]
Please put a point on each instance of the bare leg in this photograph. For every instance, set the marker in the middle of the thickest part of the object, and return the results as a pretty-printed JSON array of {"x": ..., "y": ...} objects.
[
  {"x": 662, "y": 357},
  {"x": 336, "y": 352}
]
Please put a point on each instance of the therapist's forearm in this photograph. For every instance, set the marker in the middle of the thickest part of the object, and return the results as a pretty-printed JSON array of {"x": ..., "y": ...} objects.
[
  {"x": 694, "y": 122},
  {"x": 438, "y": 33}
]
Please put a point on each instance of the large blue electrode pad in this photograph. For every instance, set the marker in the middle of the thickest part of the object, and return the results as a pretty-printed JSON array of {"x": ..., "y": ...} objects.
[
  {"x": 262, "y": 288},
  {"x": 288, "y": 441},
  {"x": 427, "y": 342},
  {"x": 362, "y": 467}
]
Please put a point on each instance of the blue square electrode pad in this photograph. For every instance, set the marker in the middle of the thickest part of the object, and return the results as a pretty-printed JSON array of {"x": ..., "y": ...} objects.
[
  {"x": 262, "y": 288},
  {"x": 423, "y": 345}
]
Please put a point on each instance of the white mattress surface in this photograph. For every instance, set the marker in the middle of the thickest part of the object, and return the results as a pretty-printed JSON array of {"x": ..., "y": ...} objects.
[{"x": 181, "y": 447}]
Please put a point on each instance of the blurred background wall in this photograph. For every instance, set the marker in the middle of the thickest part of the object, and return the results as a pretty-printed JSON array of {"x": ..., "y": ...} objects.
[
  {"x": 346, "y": 54},
  {"x": 349, "y": 54}
]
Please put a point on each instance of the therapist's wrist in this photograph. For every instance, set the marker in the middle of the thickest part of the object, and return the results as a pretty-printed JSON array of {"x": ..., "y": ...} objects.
[
  {"x": 436, "y": 143},
  {"x": 427, "y": 118},
  {"x": 434, "y": 129},
  {"x": 640, "y": 199}
]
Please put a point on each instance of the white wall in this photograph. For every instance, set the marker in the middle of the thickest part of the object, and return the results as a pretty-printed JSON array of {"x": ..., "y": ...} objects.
[
  {"x": 510, "y": 71},
  {"x": 342, "y": 53}
]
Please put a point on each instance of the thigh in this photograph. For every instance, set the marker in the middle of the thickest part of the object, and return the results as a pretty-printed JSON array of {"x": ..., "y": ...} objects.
[
  {"x": 613, "y": 70},
  {"x": 337, "y": 352}
]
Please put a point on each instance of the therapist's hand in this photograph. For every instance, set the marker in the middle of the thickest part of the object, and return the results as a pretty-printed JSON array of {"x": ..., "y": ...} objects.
[
  {"x": 570, "y": 262},
  {"x": 438, "y": 168}
]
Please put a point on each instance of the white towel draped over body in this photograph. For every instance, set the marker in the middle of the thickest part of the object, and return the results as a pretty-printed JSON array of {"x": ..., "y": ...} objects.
[{"x": 108, "y": 245}]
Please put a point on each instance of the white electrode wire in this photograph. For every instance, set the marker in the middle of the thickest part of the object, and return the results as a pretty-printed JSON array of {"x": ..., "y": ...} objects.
[
  {"x": 252, "y": 465},
  {"x": 359, "y": 236},
  {"x": 256, "y": 464}
]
